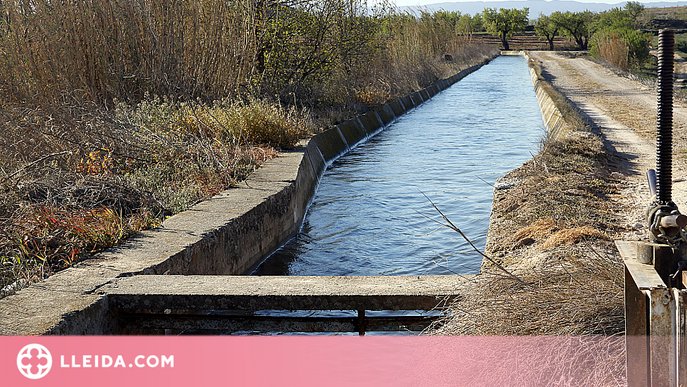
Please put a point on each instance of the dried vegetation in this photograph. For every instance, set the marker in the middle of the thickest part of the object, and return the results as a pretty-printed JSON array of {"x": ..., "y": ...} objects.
[{"x": 114, "y": 115}]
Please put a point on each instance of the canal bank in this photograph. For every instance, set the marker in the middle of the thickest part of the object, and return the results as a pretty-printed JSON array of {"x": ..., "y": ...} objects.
[
  {"x": 552, "y": 227},
  {"x": 561, "y": 120},
  {"x": 372, "y": 213},
  {"x": 228, "y": 234}
]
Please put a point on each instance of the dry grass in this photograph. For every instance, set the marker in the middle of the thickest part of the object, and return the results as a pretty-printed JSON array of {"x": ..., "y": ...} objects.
[
  {"x": 571, "y": 236},
  {"x": 68, "y": 194},
  {"x": 547, "y": 230},
  {"x": 537, "y": 230},
  {"x": 114, "y": 115},
  {"x": 613, "y": 49},
  {"x": 573, "y": 293},
  {"x": 578, "y": 292},
  {"x": 560, "y": 196}
]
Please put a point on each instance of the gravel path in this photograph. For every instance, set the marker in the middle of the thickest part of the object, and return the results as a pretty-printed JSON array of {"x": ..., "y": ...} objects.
[{"x": 623, "y": 111}]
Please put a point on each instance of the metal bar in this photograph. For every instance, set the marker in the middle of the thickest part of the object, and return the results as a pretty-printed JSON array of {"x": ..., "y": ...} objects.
[
  {"x": 361, "y": 322},
  {"x": 133, "y": 322},
  {"x": 681, "y": 311},
  {"x": 663, "y": 350},
  {"x": 651, "y": 177},
  {"x": 636, "y": 334},
  {"x": 674, "y": 221}
]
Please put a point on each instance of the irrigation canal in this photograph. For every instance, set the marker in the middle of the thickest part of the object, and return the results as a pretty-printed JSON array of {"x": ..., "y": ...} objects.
[{"x": 370, "y": 215}]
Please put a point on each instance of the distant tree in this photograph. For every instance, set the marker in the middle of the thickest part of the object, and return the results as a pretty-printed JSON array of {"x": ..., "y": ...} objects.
[
  {"x": 636, "y": 10},
  {"x": 468, "y": 25},
  {"x": 445, "y": 18},
  {"x": 547, "y": 28},
  {"x": 615, "y": 18},
  {"x": 307, "y": 44},
  {"x": 504, "y": 23},
  {"x": 577, "y": 26}
]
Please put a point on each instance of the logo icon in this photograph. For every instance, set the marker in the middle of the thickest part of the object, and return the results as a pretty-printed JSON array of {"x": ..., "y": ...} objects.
[{"x": 34, "y": 361}]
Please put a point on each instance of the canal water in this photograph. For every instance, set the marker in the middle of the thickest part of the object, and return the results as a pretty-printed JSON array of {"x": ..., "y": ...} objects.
[{"x": 372, "y": 213}]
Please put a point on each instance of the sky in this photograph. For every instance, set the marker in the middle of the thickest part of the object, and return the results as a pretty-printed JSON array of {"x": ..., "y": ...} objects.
[{"x": 402, "y": 3}]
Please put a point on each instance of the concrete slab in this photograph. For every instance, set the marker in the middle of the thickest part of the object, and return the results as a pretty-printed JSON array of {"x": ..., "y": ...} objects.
[
  {"x": 423, "y": 292},
  {"x": 353, "y": 132},
  {"x": 386, "y": 114},
  {"x": 37, "y": 311}
]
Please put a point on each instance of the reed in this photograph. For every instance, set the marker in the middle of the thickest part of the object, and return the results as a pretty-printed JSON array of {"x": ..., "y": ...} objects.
[{"x": 142, "y": 108}]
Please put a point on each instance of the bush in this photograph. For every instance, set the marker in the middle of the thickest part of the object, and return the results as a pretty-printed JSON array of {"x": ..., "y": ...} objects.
[{"x": 623, "y": 47}]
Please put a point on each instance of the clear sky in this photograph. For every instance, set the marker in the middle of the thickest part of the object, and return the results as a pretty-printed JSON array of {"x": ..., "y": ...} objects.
[{"x": 402, "y": 3}]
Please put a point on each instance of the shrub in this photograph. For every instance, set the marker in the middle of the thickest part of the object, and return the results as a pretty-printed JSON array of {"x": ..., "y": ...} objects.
[{"x": 623, "y": 47}]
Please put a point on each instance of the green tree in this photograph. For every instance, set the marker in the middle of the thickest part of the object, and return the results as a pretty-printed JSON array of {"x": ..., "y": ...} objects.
[
  {"x": 468, "y": 25},
  {"x": 577, "y": 26},
  {"x": 445, "y": 18},
  {"x": 547, "y": 28},
  {"x": 308, "y": 44},
  {"x": 636, "y": 10},
  {"x": 504, "y": 23},
  {"x": 614, "y": 18}
]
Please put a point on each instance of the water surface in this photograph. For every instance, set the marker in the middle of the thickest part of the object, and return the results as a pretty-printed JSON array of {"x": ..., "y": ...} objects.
[{"x": 372, "y": 213}]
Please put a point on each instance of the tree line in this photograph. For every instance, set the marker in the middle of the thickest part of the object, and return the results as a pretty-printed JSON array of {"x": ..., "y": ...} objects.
[{"x": 613, "y": 35}]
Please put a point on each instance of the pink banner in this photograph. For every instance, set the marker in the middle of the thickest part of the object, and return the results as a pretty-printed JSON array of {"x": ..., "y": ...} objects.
[{"x": 311, "y": 361}]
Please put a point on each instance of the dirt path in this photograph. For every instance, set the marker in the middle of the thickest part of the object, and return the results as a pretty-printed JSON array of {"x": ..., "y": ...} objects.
[{"x": 623, "y": 111}]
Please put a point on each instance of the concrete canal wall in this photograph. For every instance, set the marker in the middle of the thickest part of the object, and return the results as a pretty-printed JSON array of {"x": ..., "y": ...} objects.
[
  {"x": 228, "y": 234},
  {"x": 556, "y": 126}
]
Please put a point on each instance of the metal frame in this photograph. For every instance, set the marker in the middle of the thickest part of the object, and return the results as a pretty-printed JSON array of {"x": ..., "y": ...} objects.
[{"x": 655, "y": 322}]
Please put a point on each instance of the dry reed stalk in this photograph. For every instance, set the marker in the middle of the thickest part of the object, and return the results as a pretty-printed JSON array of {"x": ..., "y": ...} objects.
[{"x": 578, "y": 292}]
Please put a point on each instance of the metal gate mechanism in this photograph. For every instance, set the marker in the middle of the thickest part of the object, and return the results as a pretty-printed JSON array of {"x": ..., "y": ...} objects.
[{"x": 655, "y": 299}]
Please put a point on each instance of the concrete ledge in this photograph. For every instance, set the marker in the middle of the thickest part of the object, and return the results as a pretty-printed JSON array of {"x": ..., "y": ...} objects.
[
  {"x": 385, "y": 114},
  {"x": 397, "y": 107},
  {"x": 372, "y": 123},
  {"x": 282, "y": 292},
  {"x": 417, "y": 99},
  {"x": 407, "y": 103},
  {"x": 230, "y": 233}
]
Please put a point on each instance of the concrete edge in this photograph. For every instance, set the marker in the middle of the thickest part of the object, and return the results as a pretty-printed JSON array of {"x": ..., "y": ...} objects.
[
  {"x": 231, "y": 233},
  {"x": 556, "y": 126}
]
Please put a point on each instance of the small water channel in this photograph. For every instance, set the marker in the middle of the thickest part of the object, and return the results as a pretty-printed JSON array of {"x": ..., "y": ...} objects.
[{"x": 371, "y": 214}]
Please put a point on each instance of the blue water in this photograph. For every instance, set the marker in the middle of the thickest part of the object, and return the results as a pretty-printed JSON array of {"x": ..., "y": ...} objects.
[{"x": 372, "y": 213}]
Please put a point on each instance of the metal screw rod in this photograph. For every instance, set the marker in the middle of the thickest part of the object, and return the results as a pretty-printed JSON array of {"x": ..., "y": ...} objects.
[{"x": 664, "y": 138}]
